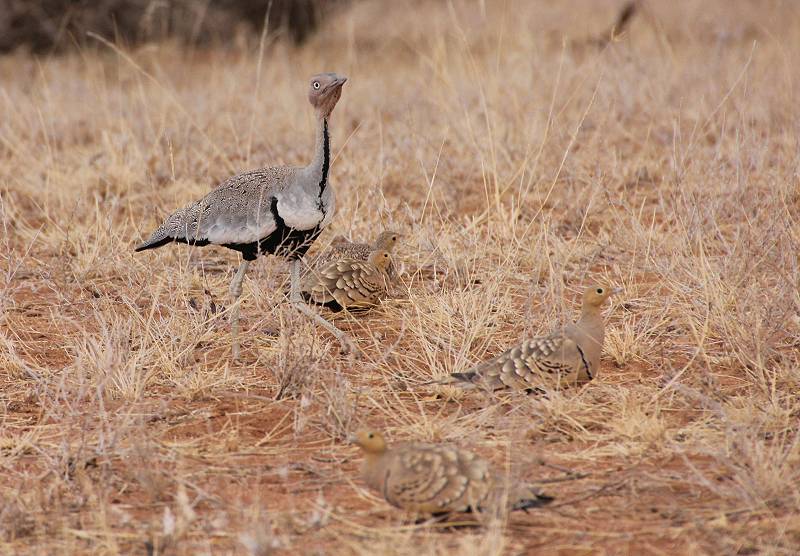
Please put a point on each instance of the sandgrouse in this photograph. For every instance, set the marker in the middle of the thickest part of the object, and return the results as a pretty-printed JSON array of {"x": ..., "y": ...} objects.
[
  {"x": 438, "y": 479},
  {"x": 342, "y": 248},
  {"x": 566, "y": 357},
  {"x": 350, "y": 284}
]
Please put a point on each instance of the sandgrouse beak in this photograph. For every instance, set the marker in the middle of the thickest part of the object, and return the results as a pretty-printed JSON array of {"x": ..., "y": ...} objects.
[
  {"x": 352, "y": 439},
  {"x": 616, "y": 290}
]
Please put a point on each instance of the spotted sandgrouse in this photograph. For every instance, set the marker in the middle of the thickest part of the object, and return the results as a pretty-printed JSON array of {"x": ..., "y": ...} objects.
[
  {"x": 566, "y": 357},
  {"x": 349, "y": 283},
  {"x": 437, "y": 479}
]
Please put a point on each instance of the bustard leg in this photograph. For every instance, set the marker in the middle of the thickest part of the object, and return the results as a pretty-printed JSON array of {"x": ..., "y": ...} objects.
[
  {"x": 297, "y": 300},
  {"x": 236, "y": 291}
]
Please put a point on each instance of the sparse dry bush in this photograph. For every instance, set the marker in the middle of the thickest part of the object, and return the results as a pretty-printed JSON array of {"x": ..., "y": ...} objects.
[{"x": 340, "y": 407}]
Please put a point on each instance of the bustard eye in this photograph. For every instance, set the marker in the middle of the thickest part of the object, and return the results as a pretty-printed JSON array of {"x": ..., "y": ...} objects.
[
  {"x": 600, "y": 291},
  {"x": 316, "y": 85}
]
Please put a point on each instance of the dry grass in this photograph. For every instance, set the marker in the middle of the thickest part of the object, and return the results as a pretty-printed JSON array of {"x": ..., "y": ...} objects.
[{"x": 520, "y": 165}]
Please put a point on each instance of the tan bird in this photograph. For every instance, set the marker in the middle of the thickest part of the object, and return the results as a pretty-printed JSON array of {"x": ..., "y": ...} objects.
[
  {"x": 349, "y": 283},
  {"x": 438, "y": 479},
  {"x": 567, "y": 357},
  {"x": 342, "y": 248}
]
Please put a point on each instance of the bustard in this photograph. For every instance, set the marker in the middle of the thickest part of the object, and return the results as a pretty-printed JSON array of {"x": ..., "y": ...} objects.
[{"x": 278, "y": 211}]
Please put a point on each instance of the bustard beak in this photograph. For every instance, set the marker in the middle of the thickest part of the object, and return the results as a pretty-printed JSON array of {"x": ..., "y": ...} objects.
[{"x": 334, "y": 85}]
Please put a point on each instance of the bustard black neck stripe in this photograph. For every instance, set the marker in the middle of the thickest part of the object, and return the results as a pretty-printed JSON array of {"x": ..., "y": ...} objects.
[{"x": 326, "y": 162}]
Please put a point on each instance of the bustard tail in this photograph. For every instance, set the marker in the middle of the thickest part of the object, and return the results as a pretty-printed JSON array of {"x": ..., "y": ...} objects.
[
  {"x": 179, "y": 226},
  {"x": 153, "y": 243}
]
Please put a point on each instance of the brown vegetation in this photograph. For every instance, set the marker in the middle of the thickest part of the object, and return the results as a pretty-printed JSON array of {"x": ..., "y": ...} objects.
[{"x": 519, "y": 165}]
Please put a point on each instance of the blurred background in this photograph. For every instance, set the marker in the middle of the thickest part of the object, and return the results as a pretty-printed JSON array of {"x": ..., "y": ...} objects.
[{"x": 53, "y": 25}]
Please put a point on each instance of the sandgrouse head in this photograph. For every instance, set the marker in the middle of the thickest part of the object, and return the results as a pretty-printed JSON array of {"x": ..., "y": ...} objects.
[
  {"x": 370, "y": 441},
  {"x": 380, "y": 258},
  {"x": 387, "y": 240},
  {"x": 596, "y": 294}
]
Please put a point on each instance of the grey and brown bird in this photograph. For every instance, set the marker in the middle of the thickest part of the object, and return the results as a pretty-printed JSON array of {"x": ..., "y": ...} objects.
[
  {"x": 279, "y": 211},
  {"x": 342, "y": 248},
  {"x": 566, "y": 357},
  {"x": 438, "y": 479},
  {"x": 350, "y": 284}
]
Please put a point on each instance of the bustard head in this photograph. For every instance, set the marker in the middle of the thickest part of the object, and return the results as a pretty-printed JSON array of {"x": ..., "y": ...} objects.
[{"x": 324, "y": 92}]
